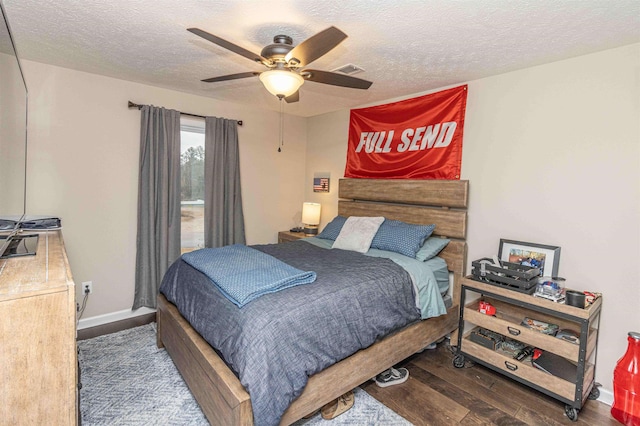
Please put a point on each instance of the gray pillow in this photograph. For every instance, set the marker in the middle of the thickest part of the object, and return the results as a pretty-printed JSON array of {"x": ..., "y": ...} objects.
[
  {"x": 431, "y": 248},
  {"x": 357, "y": 233}
]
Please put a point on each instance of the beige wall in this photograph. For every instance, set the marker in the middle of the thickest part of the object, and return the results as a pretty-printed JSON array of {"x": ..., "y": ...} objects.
[
  {"x": 83, "y": 167},
  {"x": 552, "y": 154}
]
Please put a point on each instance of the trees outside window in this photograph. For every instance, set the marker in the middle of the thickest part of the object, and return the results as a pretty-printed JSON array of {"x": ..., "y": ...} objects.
[{"x": 192, "y": 186}]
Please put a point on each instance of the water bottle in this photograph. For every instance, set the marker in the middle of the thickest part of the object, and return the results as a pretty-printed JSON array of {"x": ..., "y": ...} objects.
[{"x": 626, "y": 384}]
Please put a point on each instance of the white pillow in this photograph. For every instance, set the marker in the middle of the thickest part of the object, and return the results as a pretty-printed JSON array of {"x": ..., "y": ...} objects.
[{"x": 357, "y": 233}]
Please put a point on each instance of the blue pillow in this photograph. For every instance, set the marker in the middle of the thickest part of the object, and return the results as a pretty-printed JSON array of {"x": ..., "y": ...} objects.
[
  {"x": 333, "y": 228},
  {"x": 401, "y": 237},
  {"x": 431, "y": 248}
]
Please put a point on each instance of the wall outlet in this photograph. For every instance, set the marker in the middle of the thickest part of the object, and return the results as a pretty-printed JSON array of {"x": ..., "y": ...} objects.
[{"x": 87, "y": 287}]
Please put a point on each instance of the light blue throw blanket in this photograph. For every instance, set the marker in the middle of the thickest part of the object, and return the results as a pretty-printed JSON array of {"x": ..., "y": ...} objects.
[{"x": 243, "y": 274}]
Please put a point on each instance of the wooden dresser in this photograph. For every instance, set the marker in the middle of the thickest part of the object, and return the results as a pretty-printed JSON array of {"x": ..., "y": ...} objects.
[{"x": 38, "y": 337}]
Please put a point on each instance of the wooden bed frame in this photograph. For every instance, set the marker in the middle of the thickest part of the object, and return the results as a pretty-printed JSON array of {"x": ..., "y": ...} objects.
[{"x": 223, "y": 399}]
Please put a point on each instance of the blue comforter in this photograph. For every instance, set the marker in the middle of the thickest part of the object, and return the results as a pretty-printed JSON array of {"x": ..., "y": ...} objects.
[
  {"x": 243, "y": 274},
  {"x": 277, "y": 341}
]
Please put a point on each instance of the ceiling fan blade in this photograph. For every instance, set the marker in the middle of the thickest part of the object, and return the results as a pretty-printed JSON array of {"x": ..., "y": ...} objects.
[
  {"x": 293, "y": 98},
  {"x": 335, "y": 79},
  {"x": 315, "y": 46},
  {"x": 229, "y": 46},
  {"x": 231, "y": 77}
]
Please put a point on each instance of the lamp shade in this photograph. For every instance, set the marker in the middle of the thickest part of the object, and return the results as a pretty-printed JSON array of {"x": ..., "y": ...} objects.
[
  {"x": 281, "y": 82},
  {"x": 311, "y": 213}
]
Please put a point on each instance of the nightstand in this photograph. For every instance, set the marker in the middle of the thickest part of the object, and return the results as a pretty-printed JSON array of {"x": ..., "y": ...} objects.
[
  {"x": 286, "y": 236},
  {"x": 512, "y": 309}
]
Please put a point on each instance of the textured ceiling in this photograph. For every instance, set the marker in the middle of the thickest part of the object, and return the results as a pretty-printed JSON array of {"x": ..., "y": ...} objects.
[{"x": 404, "y": 46}]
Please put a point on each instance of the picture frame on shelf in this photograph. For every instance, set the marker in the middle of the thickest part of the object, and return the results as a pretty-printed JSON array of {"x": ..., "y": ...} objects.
[{"x": 542, "y": 256}]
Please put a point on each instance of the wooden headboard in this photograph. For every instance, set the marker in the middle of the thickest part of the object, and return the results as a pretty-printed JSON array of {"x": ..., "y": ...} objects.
[{"x": 441, "y": 202}]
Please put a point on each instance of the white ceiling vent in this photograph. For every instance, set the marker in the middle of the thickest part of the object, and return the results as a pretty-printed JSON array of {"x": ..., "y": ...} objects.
[{"x": 349, "y": 69}]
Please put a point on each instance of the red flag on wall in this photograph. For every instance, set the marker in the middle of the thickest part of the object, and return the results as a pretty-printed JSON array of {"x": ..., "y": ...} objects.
[{"x": 418, "y": 138}]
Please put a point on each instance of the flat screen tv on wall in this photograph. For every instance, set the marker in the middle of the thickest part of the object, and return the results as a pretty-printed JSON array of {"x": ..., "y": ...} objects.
[{"x": 13, "y": 139}]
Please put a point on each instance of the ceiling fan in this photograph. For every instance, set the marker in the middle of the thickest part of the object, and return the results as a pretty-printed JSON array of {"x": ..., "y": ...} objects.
[{"x": 286, "y": 63}]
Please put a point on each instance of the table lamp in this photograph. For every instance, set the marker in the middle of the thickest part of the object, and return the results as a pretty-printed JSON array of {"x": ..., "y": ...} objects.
[{"x": 311, "y": 218}]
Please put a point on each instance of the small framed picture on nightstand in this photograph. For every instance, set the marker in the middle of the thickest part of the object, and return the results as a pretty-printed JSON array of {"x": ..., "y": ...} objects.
[{"x": 545, "y": 257}]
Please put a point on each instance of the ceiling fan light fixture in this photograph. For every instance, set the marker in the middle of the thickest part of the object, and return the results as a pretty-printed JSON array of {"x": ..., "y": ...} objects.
[{"x": 281, "y": 82}]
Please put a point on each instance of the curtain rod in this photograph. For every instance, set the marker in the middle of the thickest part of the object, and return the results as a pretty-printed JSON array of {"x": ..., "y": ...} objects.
[{"x": 133, "y": 105}]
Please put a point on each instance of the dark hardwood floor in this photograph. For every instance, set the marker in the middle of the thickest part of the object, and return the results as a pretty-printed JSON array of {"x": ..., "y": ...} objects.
[{"x": 437, "y": 393}]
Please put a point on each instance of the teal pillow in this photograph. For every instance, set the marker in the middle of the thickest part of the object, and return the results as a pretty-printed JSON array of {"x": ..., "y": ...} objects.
[
  {"x": 333, "y": 228},
  {"x": 401, "y": 237},
  {"x": 431, "y": 248}
]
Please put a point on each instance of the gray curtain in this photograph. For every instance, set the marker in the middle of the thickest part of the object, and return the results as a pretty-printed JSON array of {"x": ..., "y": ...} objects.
[
  {"x": 158, "y": 239},
  {"x": 223, "y": 216}
]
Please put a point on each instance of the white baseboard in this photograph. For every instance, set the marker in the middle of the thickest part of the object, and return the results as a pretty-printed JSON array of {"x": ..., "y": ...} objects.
[
  {"x": 606, "y": 396},
  {"x": 112, "y": 317}
]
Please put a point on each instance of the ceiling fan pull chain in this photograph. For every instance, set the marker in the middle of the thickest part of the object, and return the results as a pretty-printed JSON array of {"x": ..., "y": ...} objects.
[{"x": 281, "y": 126}]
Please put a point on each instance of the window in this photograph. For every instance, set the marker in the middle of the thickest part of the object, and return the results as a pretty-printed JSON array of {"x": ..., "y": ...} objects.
[{"x": 191, "y": 184}]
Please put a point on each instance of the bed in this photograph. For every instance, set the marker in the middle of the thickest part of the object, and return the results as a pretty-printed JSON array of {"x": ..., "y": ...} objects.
[{"x": 219, "y": 392}]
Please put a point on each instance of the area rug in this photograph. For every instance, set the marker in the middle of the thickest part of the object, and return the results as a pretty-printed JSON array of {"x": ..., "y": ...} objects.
[{"x": 127, "y": 380}]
